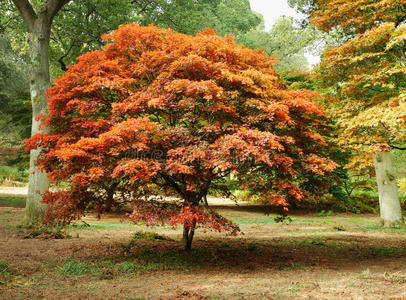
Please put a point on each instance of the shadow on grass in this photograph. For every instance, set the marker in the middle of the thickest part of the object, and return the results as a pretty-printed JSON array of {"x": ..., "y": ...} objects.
[
  {"x": 12, "y": 201},
  {"x": 241, "y": 256}
]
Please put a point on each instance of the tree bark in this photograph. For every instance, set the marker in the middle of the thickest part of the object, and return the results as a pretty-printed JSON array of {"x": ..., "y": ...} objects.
[
  {"x": 188, "y": 233},
  {"x": 39, "y": 83},
  {"x": 39, "y": 29},
  {"x": 390, "y": 211}
]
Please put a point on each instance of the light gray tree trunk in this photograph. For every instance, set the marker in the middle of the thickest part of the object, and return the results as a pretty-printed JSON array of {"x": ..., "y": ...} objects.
[
  {"x": 39, "y": 83},
  {"x": 39, "y": 29},
  {"x": 390, "y": 211}
]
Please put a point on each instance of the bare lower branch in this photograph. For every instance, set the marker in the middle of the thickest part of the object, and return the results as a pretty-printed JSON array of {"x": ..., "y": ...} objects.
[
  {"x": 27, "y": 12},
  {"x": 54, "y": 6}
]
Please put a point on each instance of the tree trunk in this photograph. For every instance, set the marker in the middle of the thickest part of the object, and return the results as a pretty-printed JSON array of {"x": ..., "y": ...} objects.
[
  {"x": 39, "y": 83},
  {"x": 188, "y": 233},
  {"x": 390, "y": 211}
]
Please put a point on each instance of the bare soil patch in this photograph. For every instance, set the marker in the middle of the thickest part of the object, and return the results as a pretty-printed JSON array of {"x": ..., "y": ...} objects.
[{"x": 337, "y": 257}]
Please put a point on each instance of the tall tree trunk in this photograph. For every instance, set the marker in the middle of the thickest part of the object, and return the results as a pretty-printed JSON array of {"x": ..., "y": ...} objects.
[
  {"x": 188, "y": 233},
  {"x": 390, "y": 211},
  {"x": 39, "y": 29},
  {"x": 39, "y": 83}
]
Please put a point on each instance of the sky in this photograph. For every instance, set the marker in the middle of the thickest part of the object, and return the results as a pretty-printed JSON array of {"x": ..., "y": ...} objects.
[{"x": 271, "y": 10}]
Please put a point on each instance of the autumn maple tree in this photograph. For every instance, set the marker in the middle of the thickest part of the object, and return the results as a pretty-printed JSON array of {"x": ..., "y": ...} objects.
[
  {"x": 157, "y": 113},
  {"x": 368, "y": 75}
]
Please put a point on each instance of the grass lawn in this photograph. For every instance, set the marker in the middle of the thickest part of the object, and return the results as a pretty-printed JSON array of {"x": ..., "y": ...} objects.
[
  {"x": 12, "y": 201},
  {"x": 330, "y": 257}
]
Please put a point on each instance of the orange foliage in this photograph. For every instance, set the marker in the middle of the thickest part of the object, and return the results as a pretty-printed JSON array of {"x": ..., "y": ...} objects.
[
  {"x": 158, "y": 112},
  {"x": 367, "y": 71}
]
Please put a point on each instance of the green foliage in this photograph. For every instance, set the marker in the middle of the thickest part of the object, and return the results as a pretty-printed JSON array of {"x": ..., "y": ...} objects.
[
  {"x": 15, "y": 113},
  {"x": 399, "y": 166},
  {"x": 362, "y": 203},
  {"x": 286, "y": 41},
  {"x": 77, "y": 28},
  {"x": 402, "y": 185},
  {"x": 303, "y": 6},
  {"x": 13, "y": 174},
  {"x": 297, "y": 79},
  {"x": 190, "y": 17}
]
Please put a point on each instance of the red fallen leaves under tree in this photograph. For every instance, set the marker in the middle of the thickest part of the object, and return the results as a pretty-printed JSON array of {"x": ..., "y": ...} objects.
[{"x": 161, "y": 113}]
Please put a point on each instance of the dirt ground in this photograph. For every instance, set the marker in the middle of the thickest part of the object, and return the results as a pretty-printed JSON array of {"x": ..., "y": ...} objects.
[{"x": 313, "y": 257}]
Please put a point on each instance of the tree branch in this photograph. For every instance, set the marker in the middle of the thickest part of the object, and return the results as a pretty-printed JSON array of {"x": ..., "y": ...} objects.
[
  {"x": 54, "y": 6},
  {"x": 397, "y": 148},
  {"x": 173, "y": 184},
  {"x": 60, "y": 60},
  {"x": 27, "y": 12}
]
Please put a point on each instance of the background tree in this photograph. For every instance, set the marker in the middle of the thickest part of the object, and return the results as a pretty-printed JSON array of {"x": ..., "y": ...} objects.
[
  {"x": 39, "y": 25},
  {"x": 161, "y": 113},
  {"x": 286, "y": 41},
  {"x": 368, "y": 76},
  {"x": 15, "y": 112},
  {"x": 303, "y": 6},
  {"x": 77, "y": 29},
  {"x": 225, "y": 16}
]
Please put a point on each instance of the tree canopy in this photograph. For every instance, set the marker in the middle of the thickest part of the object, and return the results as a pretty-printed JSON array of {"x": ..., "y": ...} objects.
[
  {"x": 161, "y": 113},
  {"x": 78, "y": 27},
  {"x": 367, "y": 71},
  {"x": 286, "y": 41}
]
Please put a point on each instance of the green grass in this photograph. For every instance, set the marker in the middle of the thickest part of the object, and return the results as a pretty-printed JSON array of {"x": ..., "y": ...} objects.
[
  {"x": 12, "y": 201},
  {"x": 293, "y": 220},
  {"x": 75, "y": 267},
  {"x": 379, "y": 227},
  {"x": 386, "y": 251},
  {"x": 5, "y": 274},
  {"x": 127, "y": 267},
  {"x": 3, "y": 267},
  {"x": 143, "y": 235},
  {"x": 149, "y": 259},
  {"x": 10, "y": 218},
  {"x": 98, "y": 226},
  {"x": 255, "y": 221},
  {"x": 360, "y": 221}
]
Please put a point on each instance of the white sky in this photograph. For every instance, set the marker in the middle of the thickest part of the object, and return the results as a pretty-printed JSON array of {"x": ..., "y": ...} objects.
[{"x": 271, "y": 10}]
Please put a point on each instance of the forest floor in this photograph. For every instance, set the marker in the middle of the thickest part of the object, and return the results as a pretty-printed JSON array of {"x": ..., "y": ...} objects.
[{"x": 314, "y": 257}]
